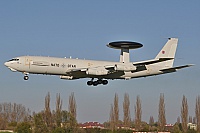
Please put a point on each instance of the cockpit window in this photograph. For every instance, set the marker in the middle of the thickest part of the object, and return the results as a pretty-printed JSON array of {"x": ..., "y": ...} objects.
[{"x": 15, "y": 59}]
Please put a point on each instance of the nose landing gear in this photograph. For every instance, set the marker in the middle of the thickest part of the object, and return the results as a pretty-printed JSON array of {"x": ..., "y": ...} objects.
[
  {"x": 26, "y": 77},
  {"x": 95, "y": 83}
]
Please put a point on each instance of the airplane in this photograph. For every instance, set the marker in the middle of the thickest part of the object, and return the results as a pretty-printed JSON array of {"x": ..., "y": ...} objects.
[{"x": 71, "y": 69}]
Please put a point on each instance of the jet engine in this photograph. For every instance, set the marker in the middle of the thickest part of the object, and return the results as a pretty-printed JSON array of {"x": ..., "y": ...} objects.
[
  {"x": 125, "y": 67},
  {"x": 97, "y": 71}
]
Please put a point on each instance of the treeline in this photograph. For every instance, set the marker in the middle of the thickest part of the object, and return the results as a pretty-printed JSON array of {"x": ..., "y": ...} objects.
[
  {"x": 138, "y": 125},
  {"x": 58, "y": 120},
  {"x": 10, "y": 114},
  {"x": 16, "y": 117}
]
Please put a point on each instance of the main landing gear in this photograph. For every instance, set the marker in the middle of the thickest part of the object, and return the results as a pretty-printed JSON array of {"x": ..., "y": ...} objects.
[{"x": 99, "y": 81}]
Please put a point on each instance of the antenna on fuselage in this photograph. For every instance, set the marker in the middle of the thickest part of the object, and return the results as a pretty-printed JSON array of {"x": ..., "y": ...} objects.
[{"x": 124, "y": 46}]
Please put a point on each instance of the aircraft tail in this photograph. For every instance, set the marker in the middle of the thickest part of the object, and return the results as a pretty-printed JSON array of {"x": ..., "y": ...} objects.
[{"x": 168, "y": 52}]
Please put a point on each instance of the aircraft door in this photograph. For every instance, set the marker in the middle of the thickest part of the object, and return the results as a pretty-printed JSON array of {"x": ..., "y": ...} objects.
[{"x": 27, "y": 62}]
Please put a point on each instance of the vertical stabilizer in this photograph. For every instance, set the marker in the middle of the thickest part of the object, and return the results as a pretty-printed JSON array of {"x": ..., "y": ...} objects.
[{"x": 168, "y": 51}]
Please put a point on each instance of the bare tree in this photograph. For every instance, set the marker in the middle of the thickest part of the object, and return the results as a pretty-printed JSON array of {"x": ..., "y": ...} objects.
[
  {"x": 72, "y": 105},
  {"x": 138, "y": 114},
  {"x": 58, "y": 110},
  {"x": 161, "y": 115},
  {"x": 47, "y": 111},
  {"x": 116, "y": 111},
  {"x": 178, "y": 120},
  {"x": 112, "y": 119},
  {"x": 190, "y": 119},
  {"x": 1, "y": 122},
  {"x": 126, "y": 107},
  {"x": 197, "y": 113},
  {"x": 194, "y": 120},
  {"x": 4, "y": 117},
  {"x": 12, "y": 113},
  {"x": 151, "y": 121},
  {"x": 72, "y": 110},
  {"x": 184, "y": 114}
]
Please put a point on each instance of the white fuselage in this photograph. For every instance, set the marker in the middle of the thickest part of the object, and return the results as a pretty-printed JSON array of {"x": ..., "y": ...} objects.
[{"x": 67, "y": 66}]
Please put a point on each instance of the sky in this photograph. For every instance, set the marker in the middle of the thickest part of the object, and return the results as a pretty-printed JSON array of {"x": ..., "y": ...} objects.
[{"x": 81, "y": 29}]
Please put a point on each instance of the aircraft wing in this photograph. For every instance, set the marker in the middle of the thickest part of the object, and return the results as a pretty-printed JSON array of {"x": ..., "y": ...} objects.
[
  {"x": 148, "y": 62},
  {"x": 110, "y": 68},
  {"x": 174, "y": 69}
]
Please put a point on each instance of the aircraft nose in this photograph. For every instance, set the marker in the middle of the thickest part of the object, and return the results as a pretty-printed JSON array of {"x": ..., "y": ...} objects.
[{"x": 6, "y": 64}]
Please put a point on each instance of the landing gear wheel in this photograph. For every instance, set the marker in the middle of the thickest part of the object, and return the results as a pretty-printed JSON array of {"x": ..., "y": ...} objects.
[
  {"x": 99, "y": 81},
  {"x": 26, "y": 77},
  {"x": 95, "y": 83},
  {"x": 105, "y": 82},
  {"x": 89, "y": 83}
]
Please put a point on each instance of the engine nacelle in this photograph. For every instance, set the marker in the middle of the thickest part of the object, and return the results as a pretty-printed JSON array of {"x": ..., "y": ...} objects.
[
  {"x": 67, "y": 77},
  {"x": 97, "y": 71},
  {"x": 125, "y": 67}
]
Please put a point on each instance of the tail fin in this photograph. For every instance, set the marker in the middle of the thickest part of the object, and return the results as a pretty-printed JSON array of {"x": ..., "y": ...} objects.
[{"x": 168, "y": 51}]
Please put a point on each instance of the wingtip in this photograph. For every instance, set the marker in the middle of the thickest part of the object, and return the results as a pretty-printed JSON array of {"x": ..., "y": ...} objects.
[{"x": 189, "y": 65}]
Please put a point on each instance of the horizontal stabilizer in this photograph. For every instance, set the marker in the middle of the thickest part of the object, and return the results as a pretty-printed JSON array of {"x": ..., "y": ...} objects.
[
  {"x": 148, "y": 62},
  {"x": 173, "y": 69}
]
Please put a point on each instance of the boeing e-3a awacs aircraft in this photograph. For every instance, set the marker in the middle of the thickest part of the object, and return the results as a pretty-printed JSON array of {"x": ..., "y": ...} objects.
[{"x": 70, "y": 69}]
